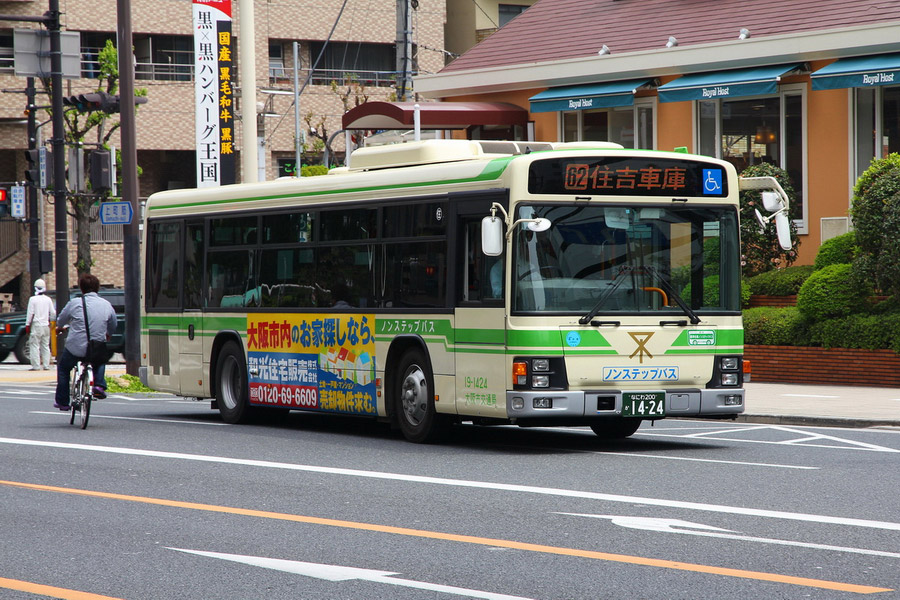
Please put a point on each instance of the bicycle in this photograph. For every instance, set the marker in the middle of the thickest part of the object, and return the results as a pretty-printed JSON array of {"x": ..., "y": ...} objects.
[{"x": 81, "y": 393}]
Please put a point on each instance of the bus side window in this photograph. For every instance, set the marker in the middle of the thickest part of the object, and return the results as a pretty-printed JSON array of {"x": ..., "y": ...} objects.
[{"x": 483, "y": 275}]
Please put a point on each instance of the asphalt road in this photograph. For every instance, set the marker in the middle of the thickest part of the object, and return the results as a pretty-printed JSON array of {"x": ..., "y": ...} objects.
[{"x": 158, "y": 499}]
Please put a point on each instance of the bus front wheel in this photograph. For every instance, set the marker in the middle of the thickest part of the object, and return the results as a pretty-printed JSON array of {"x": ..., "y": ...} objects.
[
  {"x": 614, "y": 429},
  {"x": 232, "y": 392},
  {"x": 414, "y": 399}
]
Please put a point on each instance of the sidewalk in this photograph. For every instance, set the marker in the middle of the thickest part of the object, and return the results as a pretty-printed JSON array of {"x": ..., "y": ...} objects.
[
  {"x": 828, "y": 405},
  {"x": 781, "y": 403}
]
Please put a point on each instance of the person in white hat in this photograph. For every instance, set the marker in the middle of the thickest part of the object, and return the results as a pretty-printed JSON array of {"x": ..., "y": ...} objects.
[{"x": 41, "y": 311}]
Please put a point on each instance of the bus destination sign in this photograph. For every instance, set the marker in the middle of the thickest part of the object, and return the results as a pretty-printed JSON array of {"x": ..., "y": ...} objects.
[{"x": 627, "y": 176}]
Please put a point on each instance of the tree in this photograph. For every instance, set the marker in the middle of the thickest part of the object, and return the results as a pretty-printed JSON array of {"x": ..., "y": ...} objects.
[
  {"x": 760, "y": 251},
  {"x": 876, "y": 219},
  {"x": 351, "y": 96},
  {"x": 79, "y": 125}
]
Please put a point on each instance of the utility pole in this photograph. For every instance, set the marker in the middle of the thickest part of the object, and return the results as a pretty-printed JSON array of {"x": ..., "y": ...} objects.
[
  {"x": 60, "y": 214},
  {"x": 34, "y": 259},
  {"x": 131, "y": 242},
  {"x": 404, "y": 50}
]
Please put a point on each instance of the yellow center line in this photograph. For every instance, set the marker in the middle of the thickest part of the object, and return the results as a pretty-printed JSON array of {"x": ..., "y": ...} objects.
[
  {"x": 468, "y": 539},
  {"x": 50, "y": 591}
]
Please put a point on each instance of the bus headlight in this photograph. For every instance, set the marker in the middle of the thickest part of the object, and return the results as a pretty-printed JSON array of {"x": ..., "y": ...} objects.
[
  {"x": 728, "y": 363},
  {"x": 729, "y": 379},
  {"x": 540, "y": 381}
]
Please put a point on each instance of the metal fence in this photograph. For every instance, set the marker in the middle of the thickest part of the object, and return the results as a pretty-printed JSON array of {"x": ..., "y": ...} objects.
[{"x": 9, "y": 238}]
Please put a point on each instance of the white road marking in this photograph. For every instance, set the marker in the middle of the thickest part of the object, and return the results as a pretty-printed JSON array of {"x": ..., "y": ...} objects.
[
  {"x": 807, "y": 396},
  {"x": 706, "y": 460},
  {"x": 822, "y": 436},
  {"x": 805, "y": 436},
  {"x": 96, "y": 416},
  {"x": 340, "y": 573},
  {"x": 688, "y": 528},
  {"x": 464, "y": 483}
]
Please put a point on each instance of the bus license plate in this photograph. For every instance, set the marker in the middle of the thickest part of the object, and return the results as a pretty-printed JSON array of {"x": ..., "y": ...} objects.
[{"x": 644, "y": 404}]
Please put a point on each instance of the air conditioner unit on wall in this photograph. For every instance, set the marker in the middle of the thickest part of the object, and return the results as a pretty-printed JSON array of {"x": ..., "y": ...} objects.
[{"x": 833, "y": 227}]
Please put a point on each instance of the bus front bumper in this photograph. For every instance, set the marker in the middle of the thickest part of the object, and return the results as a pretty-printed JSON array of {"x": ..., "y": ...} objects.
[{"x": 563, "y": 405}]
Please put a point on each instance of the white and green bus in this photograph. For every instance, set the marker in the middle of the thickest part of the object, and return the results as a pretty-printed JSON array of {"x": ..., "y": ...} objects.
[{"x": 447, "y": 281}]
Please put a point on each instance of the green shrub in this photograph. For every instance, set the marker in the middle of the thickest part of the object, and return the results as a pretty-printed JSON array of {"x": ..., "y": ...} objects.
[
  {"x": 876, "y": 219},
  {"x": 872, "y": 332},
  {"x": 780, "y": 282},
  {"x": 711, "y": 291},
  {"x": 838, "y": 250},
  {"x": 760, "y": 251},
  {"x": 832, "y": 292},
  {"x": 313, "y": 170},
  {"x": 775, "y": 326}
]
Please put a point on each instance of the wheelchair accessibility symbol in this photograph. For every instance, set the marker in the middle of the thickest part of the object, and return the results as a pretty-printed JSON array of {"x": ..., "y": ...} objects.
[{"x": 712, "y": 181}]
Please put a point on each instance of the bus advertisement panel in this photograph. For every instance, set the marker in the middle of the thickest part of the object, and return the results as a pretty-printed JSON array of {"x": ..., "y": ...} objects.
[{"x": 312, "y": 361}]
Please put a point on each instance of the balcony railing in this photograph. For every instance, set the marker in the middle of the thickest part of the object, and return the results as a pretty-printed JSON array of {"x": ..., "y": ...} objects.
[{"x": 341, "y": 76}]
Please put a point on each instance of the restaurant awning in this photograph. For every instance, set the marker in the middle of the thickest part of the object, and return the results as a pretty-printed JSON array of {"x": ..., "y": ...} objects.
[
  {"x": 584, "y": 97},
  {"x": 433, "y": 115},
  {"x": 859, "y": 71},
  {"x": 725, "y": 84}
]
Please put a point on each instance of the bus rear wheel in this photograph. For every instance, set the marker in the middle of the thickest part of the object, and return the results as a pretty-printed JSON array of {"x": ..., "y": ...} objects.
[
  {"x": 232, "y": 391},
  {"x": 616, "y": 429},
  {"x": 414, "y": 399}
]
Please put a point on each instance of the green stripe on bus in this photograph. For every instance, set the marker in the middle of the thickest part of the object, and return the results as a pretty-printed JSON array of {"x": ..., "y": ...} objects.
[{"x": 491, "y": 171}]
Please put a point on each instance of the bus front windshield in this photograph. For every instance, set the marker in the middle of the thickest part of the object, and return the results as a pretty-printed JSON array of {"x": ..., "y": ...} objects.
[{"x": 600, "y": 259}]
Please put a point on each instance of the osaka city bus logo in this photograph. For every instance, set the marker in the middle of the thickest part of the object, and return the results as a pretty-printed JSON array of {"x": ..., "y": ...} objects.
[{"x": 641, "y": 338}]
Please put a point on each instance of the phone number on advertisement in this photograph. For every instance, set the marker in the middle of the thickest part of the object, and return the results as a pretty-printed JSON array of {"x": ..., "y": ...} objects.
[{"x": 285, "y": 395}]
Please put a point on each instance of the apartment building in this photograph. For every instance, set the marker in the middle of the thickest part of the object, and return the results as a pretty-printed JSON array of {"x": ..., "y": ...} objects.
[{"x": 347, "y": 52}]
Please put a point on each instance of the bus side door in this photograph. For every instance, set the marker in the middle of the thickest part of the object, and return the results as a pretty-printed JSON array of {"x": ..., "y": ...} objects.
[
  {"x": 480, "y": 319},
  {"x": 190, "y": 335}
]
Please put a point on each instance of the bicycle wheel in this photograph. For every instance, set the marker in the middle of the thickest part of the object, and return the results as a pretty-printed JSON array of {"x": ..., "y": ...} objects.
[
  {"x": 86, "y": 393},
  {"x": 75, "y": 377}
]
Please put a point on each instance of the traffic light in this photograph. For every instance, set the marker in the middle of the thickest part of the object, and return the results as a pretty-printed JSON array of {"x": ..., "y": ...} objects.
[
  {"x": 101, "y": 170},
  {"x": 4, "y": 202},
  {"x": 33, "y": 169},
  {"x": 98, "y": 101}
]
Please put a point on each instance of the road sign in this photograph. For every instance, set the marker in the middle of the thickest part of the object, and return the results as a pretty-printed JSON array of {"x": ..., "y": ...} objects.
[
  {"x": 17, "y": 202},
  {"x": 116, "y": 213},
  {"x": 42, "y": 166}
]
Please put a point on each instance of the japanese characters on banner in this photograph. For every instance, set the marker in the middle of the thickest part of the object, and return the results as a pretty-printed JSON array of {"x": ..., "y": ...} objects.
[
  {"x": 214, "y": 92},
  {"x": 312, "y": 361}
]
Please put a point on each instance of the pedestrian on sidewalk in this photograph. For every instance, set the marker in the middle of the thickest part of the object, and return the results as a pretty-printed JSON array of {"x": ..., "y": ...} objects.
[{"x": 41, "y": 311}]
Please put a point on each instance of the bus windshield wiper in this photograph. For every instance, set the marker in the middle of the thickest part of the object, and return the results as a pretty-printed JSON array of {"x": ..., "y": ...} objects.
[
  {"x": 615, "y": 283},
  {"x": 667, "y": 287},
  {"x": 618, "y": 279}
]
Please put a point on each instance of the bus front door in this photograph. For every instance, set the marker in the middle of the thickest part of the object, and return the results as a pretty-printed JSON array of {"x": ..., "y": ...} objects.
[{"x": 480, "y": 332}]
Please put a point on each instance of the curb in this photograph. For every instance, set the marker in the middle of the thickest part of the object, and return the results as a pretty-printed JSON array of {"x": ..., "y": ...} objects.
[{"x": 848, "y": 422}]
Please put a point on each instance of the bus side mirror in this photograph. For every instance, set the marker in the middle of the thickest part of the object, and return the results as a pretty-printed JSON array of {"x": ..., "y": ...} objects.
[
  {"x": 783, "y": 229},
  {"x": 492, "y": 236}
]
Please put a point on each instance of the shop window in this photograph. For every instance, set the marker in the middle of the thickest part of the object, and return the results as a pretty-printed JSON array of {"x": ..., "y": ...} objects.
[
  {"x": 631, "y": 126},
  {"x": 751, "y": 131},
  {"x": 877, "y": 122}
]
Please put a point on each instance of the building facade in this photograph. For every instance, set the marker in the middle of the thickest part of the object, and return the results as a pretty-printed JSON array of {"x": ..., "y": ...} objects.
[
  {"x": 812, "y": 86},
  {"x": 357, "y": 63}
]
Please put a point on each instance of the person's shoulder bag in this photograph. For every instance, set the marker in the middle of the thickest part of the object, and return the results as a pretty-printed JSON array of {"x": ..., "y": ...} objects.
[{"x": 96, "y": 349}]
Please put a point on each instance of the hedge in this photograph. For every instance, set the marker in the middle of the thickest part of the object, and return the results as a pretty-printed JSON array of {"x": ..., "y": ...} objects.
[
  {"x": 780, "y": 282},
  {"x": 832, "y": 292}
]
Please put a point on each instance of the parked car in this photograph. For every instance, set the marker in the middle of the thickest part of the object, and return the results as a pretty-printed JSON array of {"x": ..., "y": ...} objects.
[{"x": 13, "y": 338}]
